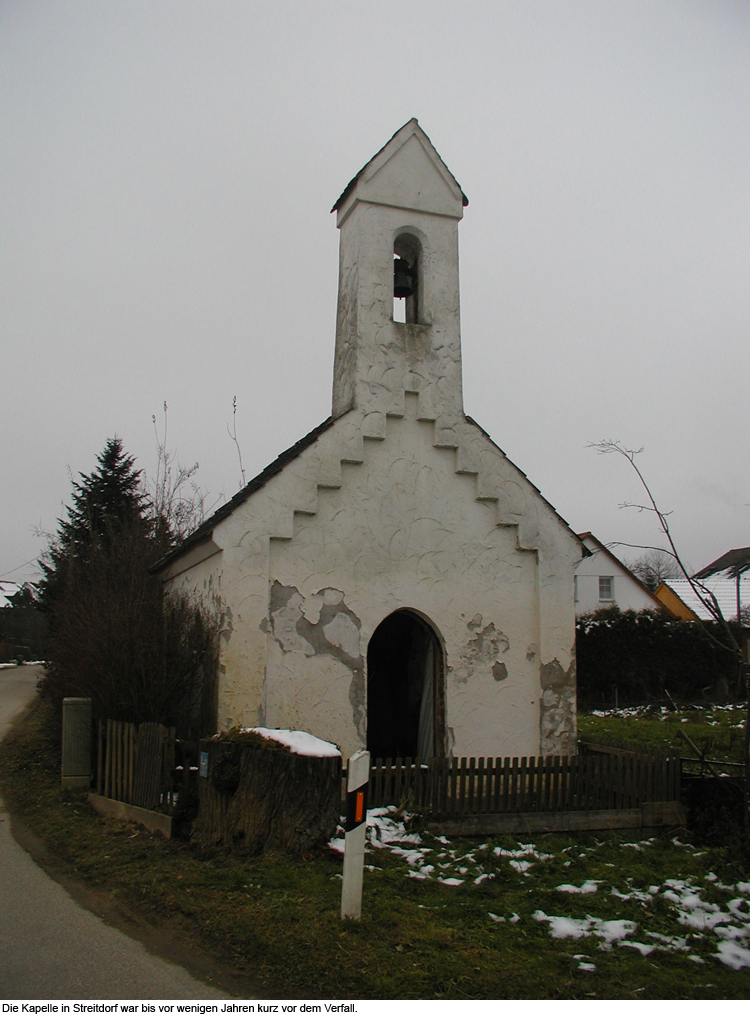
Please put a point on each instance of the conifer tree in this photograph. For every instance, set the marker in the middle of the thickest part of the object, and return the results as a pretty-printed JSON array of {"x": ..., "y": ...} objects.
[
  {"x": 109, "y": 497},
  {"x": 103, "y": 503},
  {"x": 114, "y": 636}
]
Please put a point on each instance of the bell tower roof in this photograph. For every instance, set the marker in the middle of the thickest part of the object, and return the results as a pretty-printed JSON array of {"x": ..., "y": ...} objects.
[{"x": 407, "y": 172}]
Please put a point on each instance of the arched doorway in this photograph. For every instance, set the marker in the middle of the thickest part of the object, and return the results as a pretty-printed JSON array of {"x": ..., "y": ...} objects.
[{"x": 405, "y": 694}]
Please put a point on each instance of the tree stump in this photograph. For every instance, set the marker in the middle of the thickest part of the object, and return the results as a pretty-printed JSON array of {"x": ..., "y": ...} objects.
[{"x": 261, "y": 796}]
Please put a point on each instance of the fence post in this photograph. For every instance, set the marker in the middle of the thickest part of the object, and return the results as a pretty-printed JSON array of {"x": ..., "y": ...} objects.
[{"x": 76, "y": 743}]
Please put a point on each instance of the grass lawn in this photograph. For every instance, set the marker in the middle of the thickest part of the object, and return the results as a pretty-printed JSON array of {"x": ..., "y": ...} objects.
[
  {"x": 558, "y": 917},
  {"x": 718, "y": 732}
]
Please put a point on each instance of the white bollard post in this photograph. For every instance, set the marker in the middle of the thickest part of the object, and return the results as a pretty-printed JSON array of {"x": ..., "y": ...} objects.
[{"x": 356, "y": 828}]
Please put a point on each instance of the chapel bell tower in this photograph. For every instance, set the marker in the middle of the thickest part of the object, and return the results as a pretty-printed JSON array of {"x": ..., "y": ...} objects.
[{"x": 397, "y": 327}]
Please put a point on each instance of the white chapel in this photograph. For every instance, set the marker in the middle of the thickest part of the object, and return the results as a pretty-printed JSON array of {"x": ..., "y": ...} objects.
[{"x": 393, "y": 581}]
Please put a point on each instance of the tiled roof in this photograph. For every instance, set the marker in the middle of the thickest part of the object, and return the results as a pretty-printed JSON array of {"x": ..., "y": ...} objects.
[{"x": 723, "y": 589}]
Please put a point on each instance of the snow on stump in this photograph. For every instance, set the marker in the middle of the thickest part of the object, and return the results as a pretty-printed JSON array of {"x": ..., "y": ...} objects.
[{"x": 268, "y": 789}]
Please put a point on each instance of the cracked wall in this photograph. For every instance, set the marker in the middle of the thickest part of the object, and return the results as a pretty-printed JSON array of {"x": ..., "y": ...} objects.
[
  {"x": 321, "y": 626},
  {"x": 558, "y": 710}
]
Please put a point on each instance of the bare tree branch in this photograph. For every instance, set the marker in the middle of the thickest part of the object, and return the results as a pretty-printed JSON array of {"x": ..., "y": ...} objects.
[
  {"x": 233, "y": 436},
  {"x": 704, "y": 595}
]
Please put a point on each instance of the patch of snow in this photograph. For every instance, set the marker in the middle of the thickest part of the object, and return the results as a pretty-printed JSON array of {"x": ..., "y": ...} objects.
[
  {"x": 576, "y": 928},
  {"x": 703, "y": 919},
  {"x": 678, "y": 943},
  {"x": 635, "y": 894},
  {"x": 734, "y": 956},
  {"x": 526, "y": 849},
  {"x": 739, "y": 907},
  {"x": 566, "y": 927},
  {"x": 303, "y": 743},
  {"x": 642, "y": 948},
  {"x": 412, "y": 857},
  {"x": 733, "y": 932},
  {"x": 614, "y": 931},
  {"x": 591, "y": 885}
]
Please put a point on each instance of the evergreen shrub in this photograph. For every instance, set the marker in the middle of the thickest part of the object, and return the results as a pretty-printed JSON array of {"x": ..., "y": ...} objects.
[{"x": 630, "y": 657}]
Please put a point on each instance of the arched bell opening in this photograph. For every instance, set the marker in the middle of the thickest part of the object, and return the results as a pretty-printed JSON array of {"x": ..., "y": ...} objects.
[
  {"x": 405, "y": 689},
  {"x": 407, "y": 275}
]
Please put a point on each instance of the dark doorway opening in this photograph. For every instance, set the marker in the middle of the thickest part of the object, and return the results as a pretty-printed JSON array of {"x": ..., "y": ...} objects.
[{"x": 405, "y": 689}]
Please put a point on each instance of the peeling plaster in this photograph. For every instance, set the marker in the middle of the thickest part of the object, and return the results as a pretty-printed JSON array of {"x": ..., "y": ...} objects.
[
  {"x": 286, "y": 614},
  {"x": 481, "y": 652},
  {"x": 558, "y": 709},
  {"x": 227, "y": 624},
  {"x": 489, "y": 643},
  {"x": 343, "y": 634},
  {"x": 321, "y": 626}
]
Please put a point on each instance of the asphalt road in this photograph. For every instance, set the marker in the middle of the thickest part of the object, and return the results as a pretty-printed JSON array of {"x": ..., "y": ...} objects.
[{"x": 52, "y": 948}]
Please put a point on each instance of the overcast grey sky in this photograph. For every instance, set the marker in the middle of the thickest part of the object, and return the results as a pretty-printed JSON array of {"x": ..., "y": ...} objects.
[{"x": 166, "y": 175}]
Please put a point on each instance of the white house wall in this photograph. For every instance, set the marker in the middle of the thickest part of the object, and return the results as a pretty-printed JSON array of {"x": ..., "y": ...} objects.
[{"x": 628, "y": 595}]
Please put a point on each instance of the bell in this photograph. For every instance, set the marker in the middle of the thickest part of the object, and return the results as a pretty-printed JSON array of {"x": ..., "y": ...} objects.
[{"x": 403, "y": 280}]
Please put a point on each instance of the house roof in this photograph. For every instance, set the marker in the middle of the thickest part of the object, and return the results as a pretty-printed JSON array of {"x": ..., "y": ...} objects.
[
  {"x": 352, "y": 184},
  {"x": 724, "y": 590},
  {"x": 587, "y": 537},
  {"x": 733, "y": 562},
  {"x": 204, "y": 530},
  {"x": 669, "y": 598},
  {"x": 7, "y": 591}
]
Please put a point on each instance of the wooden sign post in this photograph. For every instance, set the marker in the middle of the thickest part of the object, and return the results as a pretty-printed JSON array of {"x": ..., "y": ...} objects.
[{"x": 356, "y": 827}]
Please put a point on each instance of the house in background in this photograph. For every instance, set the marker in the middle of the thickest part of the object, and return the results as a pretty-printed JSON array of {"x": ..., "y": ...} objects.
[
  {"x": 7, "y": 591},
  {"x": 393, "y": 580},
  {"x": 604, "y": 581},
  {"x": 721, "y": 582}
]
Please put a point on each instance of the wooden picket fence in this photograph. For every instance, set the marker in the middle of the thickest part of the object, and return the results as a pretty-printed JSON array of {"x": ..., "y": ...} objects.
[
  {"x": 599, "y": 787},
  {"x": 135, "y": 763}
]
